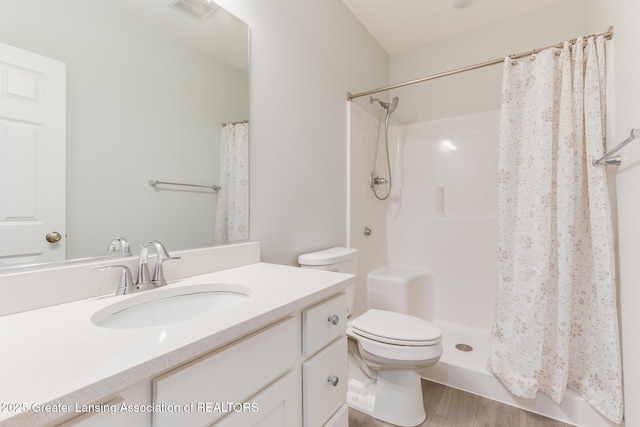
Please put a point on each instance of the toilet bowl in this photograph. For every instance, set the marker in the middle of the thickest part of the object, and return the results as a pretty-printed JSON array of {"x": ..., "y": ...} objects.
[
  {"x": 387, "y": 350},
  {"x": 394, "y": 348}
]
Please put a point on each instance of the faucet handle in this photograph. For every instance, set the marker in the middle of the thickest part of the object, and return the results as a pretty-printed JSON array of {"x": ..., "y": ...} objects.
[
  {"x": 126, "y": 282},
  {"x": 158, "y": 274}
]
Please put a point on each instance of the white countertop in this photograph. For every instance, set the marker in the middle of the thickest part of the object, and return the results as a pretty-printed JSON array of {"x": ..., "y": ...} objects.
[{"x": 56, "y": 356}]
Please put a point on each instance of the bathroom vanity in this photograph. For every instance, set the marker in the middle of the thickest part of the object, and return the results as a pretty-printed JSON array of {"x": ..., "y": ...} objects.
[{"x": 276, "y": 358}]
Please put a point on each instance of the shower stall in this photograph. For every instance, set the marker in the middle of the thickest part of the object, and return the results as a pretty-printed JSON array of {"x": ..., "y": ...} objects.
[{"x": 438, "y": 226}]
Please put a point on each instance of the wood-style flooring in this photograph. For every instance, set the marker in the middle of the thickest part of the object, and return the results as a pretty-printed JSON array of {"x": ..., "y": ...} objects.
[{"x": 449, "y": 407}]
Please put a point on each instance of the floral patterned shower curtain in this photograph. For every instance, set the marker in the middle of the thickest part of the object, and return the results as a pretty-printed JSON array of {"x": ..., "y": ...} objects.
[
  {"x": 232, "y": 214},
  {"x": 556, "y": 318}
]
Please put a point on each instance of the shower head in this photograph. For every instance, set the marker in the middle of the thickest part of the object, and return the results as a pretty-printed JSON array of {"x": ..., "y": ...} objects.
[
  {"x": 393, "y": 104},
  {"x": 389, "y": 106}
]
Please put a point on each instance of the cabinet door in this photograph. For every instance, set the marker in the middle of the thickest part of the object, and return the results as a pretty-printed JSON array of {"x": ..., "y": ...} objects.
[
  {"x": 279, "y": 405},
  {"x": 325, "y": 383},
  {"x": 230, "y": 375}
]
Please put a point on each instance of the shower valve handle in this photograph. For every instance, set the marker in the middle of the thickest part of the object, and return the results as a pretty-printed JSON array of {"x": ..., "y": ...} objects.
[{"x": 379, "y": 181}]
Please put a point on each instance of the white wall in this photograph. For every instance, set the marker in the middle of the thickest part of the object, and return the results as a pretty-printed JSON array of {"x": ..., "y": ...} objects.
[
  {"x": 305, "y": 57},
  {"x": 140, "y": 105},
  {"x": 623, "y": 15},
  {"x": 477, "y": 90}
]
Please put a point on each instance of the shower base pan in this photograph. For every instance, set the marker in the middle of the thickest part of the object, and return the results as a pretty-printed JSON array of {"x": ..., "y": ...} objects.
[{"x": 464, "y": 368}]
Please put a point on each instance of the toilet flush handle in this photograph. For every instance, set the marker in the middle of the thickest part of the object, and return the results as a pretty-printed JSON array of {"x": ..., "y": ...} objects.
[
  {"x": 333, "y": 380},
  {"x": 334, "y": 320}
]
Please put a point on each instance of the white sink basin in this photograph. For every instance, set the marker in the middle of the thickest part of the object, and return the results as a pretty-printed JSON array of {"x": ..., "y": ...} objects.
[{"x": 166, "y": 305}]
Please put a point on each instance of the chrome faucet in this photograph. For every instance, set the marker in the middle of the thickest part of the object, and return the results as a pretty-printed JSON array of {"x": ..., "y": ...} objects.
[
  {"x": 144, "y": 282},
  {"x": 126, "y": 282},
  {"x": 119, "y": 244},
  {"x": 143, "y": 268}
]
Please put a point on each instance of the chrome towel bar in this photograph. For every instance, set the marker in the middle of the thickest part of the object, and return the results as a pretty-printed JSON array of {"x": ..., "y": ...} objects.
[
  {"x": 609, "y": 158},
  {"x": 154, "y": 182}
]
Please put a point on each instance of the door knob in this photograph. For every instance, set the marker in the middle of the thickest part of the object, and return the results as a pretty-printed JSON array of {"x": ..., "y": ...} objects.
[{"x": 53, "y": 237}]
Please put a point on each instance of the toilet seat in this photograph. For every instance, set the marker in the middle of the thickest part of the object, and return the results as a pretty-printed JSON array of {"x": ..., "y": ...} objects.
[
  {"x": 395, "y": 328},
  {"x": 377, "y": 353}
]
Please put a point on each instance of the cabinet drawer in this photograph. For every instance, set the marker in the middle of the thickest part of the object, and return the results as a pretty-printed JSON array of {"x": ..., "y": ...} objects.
[
  {"x": 340, "y": 418},
  {"x": 321, "y": 398},
  {"x": 279, "y": 405},
  {"x": 229, "y": 375},
  {"x": 318, "y": 328}
]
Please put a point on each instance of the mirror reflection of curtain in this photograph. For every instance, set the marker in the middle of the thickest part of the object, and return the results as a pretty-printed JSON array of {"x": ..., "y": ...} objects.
[
  {"x": 232, "y": 215},
  {"x": 556, "y": 319}
]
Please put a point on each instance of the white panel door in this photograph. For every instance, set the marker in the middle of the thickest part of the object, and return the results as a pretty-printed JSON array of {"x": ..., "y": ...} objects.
[{"x": 32, "y": 157}]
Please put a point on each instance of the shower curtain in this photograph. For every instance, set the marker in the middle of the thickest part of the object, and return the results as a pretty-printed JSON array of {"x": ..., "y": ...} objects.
[
  {"x": 232, "y": 214},
  {"x": 556, "y": 317}
]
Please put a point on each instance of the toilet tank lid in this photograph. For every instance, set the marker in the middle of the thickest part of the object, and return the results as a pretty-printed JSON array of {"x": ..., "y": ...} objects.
[{"x": 328, "y": 256}]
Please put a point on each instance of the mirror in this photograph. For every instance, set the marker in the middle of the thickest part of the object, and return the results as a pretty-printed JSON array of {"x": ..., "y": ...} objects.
[{"x": 149, "y": 91}]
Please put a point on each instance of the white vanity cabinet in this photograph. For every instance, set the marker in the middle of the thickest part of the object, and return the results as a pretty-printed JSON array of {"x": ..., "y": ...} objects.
[
  {"x": 291, "y": 373},
  {"x": 281, "y": 351}
]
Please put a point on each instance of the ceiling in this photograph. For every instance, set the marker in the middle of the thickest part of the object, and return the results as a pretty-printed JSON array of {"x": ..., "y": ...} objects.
[{"x": 399, "y": 25}]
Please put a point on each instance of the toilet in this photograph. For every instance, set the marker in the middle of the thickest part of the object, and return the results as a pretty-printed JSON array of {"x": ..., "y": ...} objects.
[{"x": 387, "y": 351}]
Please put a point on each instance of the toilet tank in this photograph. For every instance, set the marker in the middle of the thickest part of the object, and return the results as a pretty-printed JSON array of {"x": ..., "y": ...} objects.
[{"x": 339, "y": 259}]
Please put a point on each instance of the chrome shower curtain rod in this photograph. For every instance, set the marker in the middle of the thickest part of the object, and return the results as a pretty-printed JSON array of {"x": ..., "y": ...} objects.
[{"x": 350, "y": 97}]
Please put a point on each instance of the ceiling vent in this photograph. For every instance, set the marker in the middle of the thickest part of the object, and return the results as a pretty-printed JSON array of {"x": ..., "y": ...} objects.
[{"x": 198, "y": 9}]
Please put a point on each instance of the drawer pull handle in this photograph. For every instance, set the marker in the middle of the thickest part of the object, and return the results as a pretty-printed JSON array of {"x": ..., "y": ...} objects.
[
  {"x": 334, "y": 320},
  {"x": 333, "y": 380}
]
